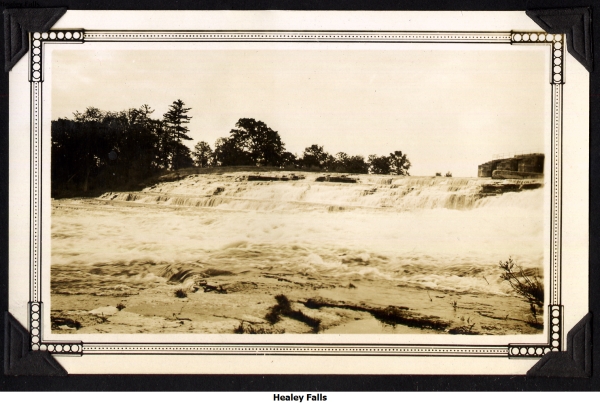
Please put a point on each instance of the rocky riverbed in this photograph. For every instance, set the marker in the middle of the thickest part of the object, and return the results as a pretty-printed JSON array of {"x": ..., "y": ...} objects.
[{"x": 246, "y": 304}]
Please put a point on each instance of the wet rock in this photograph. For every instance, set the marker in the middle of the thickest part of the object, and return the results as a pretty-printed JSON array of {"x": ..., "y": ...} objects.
[
  {"x": 260, "y": 178},
  {"x": 502, "y": 174},
  {"x": 341, "y": 179},
  {"x": 391, "y": 315},
  {"x": 501, "y": 187},
  {"x": 64, "y": 323},
  {"x": 74, "y": 320},
  {"x": 212, "y": 287}
]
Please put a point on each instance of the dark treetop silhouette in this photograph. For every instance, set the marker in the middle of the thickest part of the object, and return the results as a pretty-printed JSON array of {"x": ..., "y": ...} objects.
[{"x": 99, "y": 150}]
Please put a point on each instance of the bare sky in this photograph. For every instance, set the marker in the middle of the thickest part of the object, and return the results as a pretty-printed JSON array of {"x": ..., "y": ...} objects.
[{"x": 447, "y": 110}]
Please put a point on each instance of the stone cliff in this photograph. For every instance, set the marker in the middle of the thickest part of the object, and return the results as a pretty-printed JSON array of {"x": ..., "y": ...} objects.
[{"x": 521, "y": 166}]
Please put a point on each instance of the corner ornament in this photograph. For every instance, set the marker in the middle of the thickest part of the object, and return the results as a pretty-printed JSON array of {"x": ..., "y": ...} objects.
[
  {"x": 20, "y": 359},
  {"x": 18, "y": 23},
  {"x": 576, "y": 362},
  {"x": 576, "y": 23},
  {"x": 37, "y": 41}
]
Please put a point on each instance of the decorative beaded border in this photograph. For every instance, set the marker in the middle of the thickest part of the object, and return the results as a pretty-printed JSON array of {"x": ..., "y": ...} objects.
[
  {"x": 35, "y": 331},
  {"x": 37, "y": 41},
  {"x": 297, "y": 36},
  {"x": 537, "y": 350},
  {"x": 298, "y": 349},
  {"x": 36, "y": 77}
]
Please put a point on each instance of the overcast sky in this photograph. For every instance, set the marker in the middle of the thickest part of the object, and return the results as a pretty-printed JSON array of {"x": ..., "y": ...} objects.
[{"x": 448, "y": 110}]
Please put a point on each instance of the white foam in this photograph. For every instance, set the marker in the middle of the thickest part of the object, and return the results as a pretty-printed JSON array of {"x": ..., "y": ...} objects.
[{"x": 436, "y": 232}]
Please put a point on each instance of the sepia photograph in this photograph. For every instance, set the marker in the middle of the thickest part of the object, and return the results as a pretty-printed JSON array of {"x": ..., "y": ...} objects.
[
  {"x": 354, "y": 190},
  {"x": 298, "y": 193}
]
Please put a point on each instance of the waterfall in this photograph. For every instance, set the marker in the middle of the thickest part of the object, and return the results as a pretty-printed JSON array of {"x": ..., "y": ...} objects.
[
  {"x": 445, "y": 234},
  {"x": 370, "y": 193}
]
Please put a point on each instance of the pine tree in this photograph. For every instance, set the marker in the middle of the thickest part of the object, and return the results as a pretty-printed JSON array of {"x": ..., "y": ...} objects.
[{"x": 175, "y": 121}]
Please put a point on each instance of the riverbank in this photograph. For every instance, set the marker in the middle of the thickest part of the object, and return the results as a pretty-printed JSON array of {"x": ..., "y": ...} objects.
[{"x": 242, "y": 304}]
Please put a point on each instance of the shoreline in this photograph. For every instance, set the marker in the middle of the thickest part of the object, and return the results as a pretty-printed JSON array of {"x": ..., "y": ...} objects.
[{"x": 241, "y": 304}]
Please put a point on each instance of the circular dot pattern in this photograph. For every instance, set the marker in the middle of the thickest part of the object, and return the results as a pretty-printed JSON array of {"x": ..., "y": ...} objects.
[
  {"x": 531, "y": 37},
  {"x": 528, "y": 351},
  {"x": 37, "y": 41},
  {"x": 554, "y": 338},
  {"x": 554, "y": 40}
]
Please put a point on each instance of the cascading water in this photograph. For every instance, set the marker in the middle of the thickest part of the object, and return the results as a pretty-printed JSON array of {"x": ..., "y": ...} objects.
[
  {"x": 435, "y": 233},
  {"x": 373, "y": 192}
]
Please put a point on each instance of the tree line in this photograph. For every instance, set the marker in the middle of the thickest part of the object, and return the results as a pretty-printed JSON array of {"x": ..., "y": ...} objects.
[
  {"x": 111, "y": 150},
  {"x": 98, "y": 149},
  {"x": 252, "y": 142}
]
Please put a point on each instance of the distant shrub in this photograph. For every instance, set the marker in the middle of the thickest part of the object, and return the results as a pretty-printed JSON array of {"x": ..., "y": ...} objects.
[
  {"x": 120, "y": 306},
  {"x": 438, "y": 174},
  {"x": 528, "y": 286},
  {"x": 448, "y": 174},
  {"x": 180, "y": 293}
]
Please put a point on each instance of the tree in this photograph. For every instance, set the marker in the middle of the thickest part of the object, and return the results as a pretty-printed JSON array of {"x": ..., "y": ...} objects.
[
  {"x": 203, "y": 154},
  {"x": 175, "y": 120},
  {"x": 379, "y": 165},
  {"x": 137, "y": 146},
  {"x": 350, "y": 164},
  {"x": 251, "y": 142},
  {"x": 396, "y": 163},
  {"x": 90, "y": 114},
  {"x": 229, "y": 153},
  {"x": 357, "y": 165},
  {"x": 288, "y": 159},
  {"x": 399, "y": 163},
  {"x": 181, "y": 156},
  {"x": 339, "y": 162},
  {"x": 86, "y": 141},
  {"x": 259, "y": 141},
  {"x": 315, "y": 157},
  {"x": 106, "y": 150}
]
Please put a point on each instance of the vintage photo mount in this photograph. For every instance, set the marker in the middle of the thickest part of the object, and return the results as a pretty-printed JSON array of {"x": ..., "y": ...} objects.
[{"x": 38, "y": 41}]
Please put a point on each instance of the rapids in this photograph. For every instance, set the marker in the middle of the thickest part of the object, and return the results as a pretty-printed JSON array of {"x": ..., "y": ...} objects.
[
  {"x": 434, "y": 233},
  {"x": 233, "y": 193}
]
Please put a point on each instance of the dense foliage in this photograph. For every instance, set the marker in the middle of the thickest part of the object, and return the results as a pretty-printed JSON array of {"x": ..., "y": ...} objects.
[
  {"x": 99, "y": 150},
  {"x": 252, "y": 142}
]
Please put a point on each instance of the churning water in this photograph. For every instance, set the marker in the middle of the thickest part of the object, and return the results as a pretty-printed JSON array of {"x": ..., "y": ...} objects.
[{"x": 437, "y": 233}]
